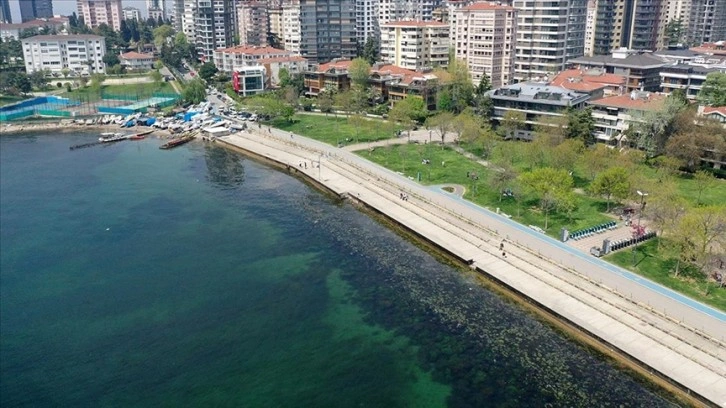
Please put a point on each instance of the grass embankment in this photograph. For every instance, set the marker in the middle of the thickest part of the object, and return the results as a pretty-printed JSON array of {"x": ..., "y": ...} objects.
[
  {"x": 338, "y": 130},
  {"x": 651, "y": 263},
  {"x": 9, "y": 99}
]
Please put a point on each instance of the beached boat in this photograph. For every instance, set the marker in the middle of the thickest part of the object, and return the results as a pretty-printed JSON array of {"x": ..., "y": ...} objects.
[
  {"x": 111, "y": 137},
  {"x": 177, "y": 142}
]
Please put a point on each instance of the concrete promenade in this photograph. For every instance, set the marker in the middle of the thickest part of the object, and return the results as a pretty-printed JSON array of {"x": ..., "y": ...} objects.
[{"x": 674, "y": 336}]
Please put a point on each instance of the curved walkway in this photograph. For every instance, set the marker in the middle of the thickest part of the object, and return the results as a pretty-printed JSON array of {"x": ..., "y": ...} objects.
[{"x": 674, "y": 335}]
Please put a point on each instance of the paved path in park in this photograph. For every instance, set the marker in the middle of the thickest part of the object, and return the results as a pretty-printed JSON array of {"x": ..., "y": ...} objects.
[{"x": 668, "y": 332}]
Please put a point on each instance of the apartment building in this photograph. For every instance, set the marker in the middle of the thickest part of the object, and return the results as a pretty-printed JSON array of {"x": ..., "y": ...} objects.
[
  {"x": 234, "y": 58},
  {"x": 590, "y": 27},
  {"x": 80, "y": 53},
  {"x": 614, "y": 115},
  {"x": 97, "y": 12},
  {"x": 415, "y": 44},
  {"x": 594, "y": 82},
  {"x": 6, "y": 17},
  {"x": 633, "y": 24},
  {"x": 156, "y": 9},
  {"x": 332, "y": 75},
  {"x": 484, "y": 36},
  {"x": 253, "y": 23},
  {"x": 395, "y": 10},
  {"x": 213, "y": 26},
  {"x": 536, "y": 101},
  {"x": 249, "y": 80},
  {"x": 13, "y": 31},
  {"x": 327, "y": 29},
  {"x": 549, "y": 33},
  {"x": 366, "y": 20},
  {"x": 276, "y": 21},
  {"x": 291, "y": 35},
  {"x": 707, "y": 21},
  {"x": 33, "y": 9},
  {"x": 688, "y": 78},
  {"x": 131, "y": 13},
  {"x": 133, "y": 60},
  {"x": 641, "y": 70}
]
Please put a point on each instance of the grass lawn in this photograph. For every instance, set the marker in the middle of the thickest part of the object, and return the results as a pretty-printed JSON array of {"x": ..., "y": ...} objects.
[
  {"x": 8, "y": 99},
  {"x": 407, "y": 159},
  {"x": 657, "y": 267},
  {"x": 337, "y": 130}
]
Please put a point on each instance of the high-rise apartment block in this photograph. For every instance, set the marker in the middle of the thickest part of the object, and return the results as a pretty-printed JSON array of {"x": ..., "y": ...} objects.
[
  {"x": 97, "y": 12},
  {"x": 5, "y": 16},
  {"x": 415, "y": 45},
  {"x": 549, "y": 33},
  {"x": 253, "y": 23},
  {"x": 213, "y": 26},
  {"x": 131, "y": 13},
  {"x": 633, "y": 24},
  {"x": 366, "y": 20},
  {"x": 156, "y": 9},
  {"x": 394, "y": 10},
  {"x": 276, "y": 24},
  {"x": 327, "y": 29},
  {"x": 32, "y": 9},
  {"x": 707, "y": 21},
  {"x": 484, "y": 36},
  {"x": 291, "y": 35}
]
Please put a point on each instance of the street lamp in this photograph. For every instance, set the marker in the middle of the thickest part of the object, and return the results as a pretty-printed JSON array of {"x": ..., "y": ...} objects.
[{"x": 640, "y": 214}]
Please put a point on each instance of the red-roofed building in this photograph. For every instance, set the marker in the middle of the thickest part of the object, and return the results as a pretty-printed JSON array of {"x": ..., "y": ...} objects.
[
  {"x": 331, "y": 75},
  {"x": 415, "y": 44},
  {"x": 231, "y": 59},
  {"x": 294, "y": 65},
  {"x": 595, "y": 83},
  {"x": 613, "y": 115},
  {"x": 717, "y": 48},
  {"x": 137, "y": 61}
]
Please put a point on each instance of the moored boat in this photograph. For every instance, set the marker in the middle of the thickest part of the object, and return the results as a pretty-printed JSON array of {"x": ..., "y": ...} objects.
[
  {"x": 139, "y": 136},
  {"x": 177, "y": 142},
  {"x": 111, "y": 137}
]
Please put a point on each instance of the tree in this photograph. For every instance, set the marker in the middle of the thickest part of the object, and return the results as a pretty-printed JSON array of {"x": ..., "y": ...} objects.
[
  {"x": 284, "y": 76},
  {"x": 713, "y": 91},
  {"x": 703, "y": 181},
  {"x": 97, "y": 82},
  {"x": 161, "y": 33},
  {"x": 468, "y": 126},
  {"x": 344, "y": 101},
  {"x": 370, "y": 51},
  {"x": 38, "y": 79},
  {"x": 512, "y": 122},
  {"x": 359, "y": 70},
  {"x": 501, "y": 178},
  {"x": 599, "y": 158},
  {"x": 551, "y": 130},
  {"x": 581, "y": 125},
  {"x": 612, "y": 183},
  {"x": 552, "y": 187},
  {"x": 208, "y": 70},
  {"x": 651, "y": 129},
  {"x": 326, "y": 100},
  {"x": 408, "y": 110},
  {"x": 15, "y": 83},
  {"x": 195, "y": 91},
  {"x": 697, "y": 233},
  {"x": 567, "y": 154},
  {"x": 443, "y": 123},
  {"x": 157, "y": 78},
  {"x": 674, "y": 32},
  {"x": 665, "y": 207},
  {"x": 458, "y": 91},
  {"x": 111, "y": 60},
  {"x": 692, "y": 143}
]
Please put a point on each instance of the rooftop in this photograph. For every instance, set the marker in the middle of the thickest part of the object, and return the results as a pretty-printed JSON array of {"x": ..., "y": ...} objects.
[
  {"x": 36, "y": 23},
  {"x": 487, "y": 6},
  {"x": 289, "y": 58},
  {"x": 406, "y": 76},
  {"x": 540, "y": 92},
  {"x": 717, "y": 48},
  {"x": 414, "y": 23},
  {"x": 643, "y": 101},
  {"x": 621, "y": 59},
  {"x": 252, "y": 50},
  {"x": 341, "y": 64},
  {"x": 688, "y": 68},
  {"x": 135, "y": 55},
  {"x": 719, "y": 110},
  {"x": 586, "y": 81},
  {"x": 62, "y": 37}
]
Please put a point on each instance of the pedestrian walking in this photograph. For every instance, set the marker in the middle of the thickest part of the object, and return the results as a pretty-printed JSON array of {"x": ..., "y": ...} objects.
[{"x": 504, "y": 254}]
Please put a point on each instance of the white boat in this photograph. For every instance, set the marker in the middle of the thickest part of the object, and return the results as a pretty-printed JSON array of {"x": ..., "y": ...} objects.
[{"x": 111, "y": 137}]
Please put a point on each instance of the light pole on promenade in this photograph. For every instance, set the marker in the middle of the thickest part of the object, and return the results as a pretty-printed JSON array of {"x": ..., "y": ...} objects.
[{"x": 640, "y": 215}]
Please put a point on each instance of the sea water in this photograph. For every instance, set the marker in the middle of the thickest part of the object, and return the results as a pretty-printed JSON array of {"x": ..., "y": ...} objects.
[{"x": 133, "y": 276}]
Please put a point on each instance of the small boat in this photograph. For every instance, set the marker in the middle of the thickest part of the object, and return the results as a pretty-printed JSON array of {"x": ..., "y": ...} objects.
[
  {"x": 139, "y": 136},
  {"x": 177, "y": 142},
  {"x": 111, "y": 137}
]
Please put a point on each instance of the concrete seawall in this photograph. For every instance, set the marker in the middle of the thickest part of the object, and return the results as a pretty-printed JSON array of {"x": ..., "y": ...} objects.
[{"x": 654, "y": 328}]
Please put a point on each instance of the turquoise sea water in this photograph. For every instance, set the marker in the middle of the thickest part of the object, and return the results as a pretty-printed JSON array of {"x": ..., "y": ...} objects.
[{"x": 132, "y": 276}]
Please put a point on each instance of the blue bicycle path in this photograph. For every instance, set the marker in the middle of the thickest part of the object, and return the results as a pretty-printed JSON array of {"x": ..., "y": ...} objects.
[{"x": 595, "y": 261}]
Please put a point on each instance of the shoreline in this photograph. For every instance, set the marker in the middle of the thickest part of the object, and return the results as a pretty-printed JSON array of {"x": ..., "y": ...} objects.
[{"x": 68, "y": 126}]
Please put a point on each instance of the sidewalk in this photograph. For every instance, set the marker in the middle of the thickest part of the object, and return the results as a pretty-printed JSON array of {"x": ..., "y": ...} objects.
[{"x": 684, "y": 343}]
